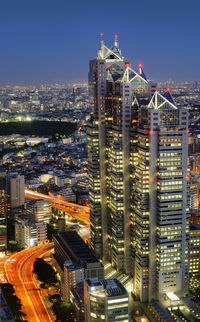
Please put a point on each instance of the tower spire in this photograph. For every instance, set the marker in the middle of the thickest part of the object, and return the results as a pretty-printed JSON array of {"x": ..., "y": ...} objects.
[
  {"x": 116, "y": 44},
  {"x": 102, "y": 43},
  {"x": 140, "y": 71}
]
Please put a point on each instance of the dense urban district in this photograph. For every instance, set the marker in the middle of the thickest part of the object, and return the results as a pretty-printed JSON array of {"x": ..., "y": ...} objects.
[{"x": 100, "y": 197}]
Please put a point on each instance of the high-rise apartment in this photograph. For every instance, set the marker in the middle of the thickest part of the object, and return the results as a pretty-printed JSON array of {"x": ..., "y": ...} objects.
[{"x": 138, "y": 177}]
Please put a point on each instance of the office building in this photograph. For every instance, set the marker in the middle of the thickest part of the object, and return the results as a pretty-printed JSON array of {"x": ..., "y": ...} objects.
[
  {"x": 3, "y": 211},
  {"x": 73, "y": 274},
  {"x": 194, "y": 253},
  {"x": 138, "y": 176},
  {"x": 39, "y": 211},
  {"x": 105, "y": 300},
  {"x": 77, "y": 300},
  {"x": 17, "y": 196},
  {"x": 161, "y": 200},
  {"x": 29, "y": 234},
  {"x": 68, "y": 245},
  {"x": 112, "y": 84}
]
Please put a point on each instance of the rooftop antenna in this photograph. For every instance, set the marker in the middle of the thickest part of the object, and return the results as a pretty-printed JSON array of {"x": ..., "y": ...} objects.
[
  {"x": 102, "y": 43},
  {"x": 116, "y": 44}
]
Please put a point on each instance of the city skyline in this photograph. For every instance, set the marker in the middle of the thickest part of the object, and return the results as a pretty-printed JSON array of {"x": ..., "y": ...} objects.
[
  {"x": 138, "y": 176},
  {"x": 47, "y": 43}
]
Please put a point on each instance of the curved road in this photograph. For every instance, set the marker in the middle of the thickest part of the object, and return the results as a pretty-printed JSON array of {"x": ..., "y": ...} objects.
[
  {"x": 75, "y": 210},
  {"x": 18, "y": 268}
]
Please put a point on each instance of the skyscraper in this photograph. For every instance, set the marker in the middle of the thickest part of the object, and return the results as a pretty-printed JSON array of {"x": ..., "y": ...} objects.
[
  {"x": 3, "y": 211},
  {"x": 138, "y": 178},
  {"x": 161, "y": 199},
  {"x": 109, "y": 159}
]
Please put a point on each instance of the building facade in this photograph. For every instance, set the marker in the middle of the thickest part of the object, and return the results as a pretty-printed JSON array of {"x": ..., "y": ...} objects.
[
  {"x": 29, "y": 234},
  {"x": 3, "y": 210},
  {"x": 105, "y": 300},
  {"x": 73, "y": 274},
  {"x": 138, "y": 176},
  {"x": 39, "y": 211},
  {"x": 17, "y": 196},
  {"x": 194, "y": 253}
]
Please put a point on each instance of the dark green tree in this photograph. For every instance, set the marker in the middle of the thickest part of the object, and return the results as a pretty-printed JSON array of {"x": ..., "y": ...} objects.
[
  {"x": 45, "y": 272},
  {"x": 63, "y": 311},
  {"x": 13, "y": 302}
]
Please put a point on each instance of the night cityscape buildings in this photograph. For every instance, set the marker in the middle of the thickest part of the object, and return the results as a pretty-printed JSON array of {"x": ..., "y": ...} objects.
[
  {"x": 138, "y": 176},
  {"x": 3, "y": 210},
  {"x": 138, "y": 165}
]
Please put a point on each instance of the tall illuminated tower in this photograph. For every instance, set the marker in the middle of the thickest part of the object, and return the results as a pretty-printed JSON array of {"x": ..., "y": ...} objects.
[
  {"x": 112, "y": 87},
  {"x": 3, "y": 211},
  {"x": 138, "y": 177},
  {"x": 161, "y": 199}
]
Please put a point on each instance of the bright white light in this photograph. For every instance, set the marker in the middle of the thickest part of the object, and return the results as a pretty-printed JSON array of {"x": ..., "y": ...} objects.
[
  {"x": 172, "y": 296},
  {"x": 32, "y": 242}
]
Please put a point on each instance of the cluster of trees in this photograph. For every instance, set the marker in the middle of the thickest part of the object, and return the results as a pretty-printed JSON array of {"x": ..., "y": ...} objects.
[
  {"x": 53, "y": 128},
  {"x": 45, "y": 273},
  {"x": 52, "y": 227},
  {"x": 13, "y": 302},
  {"x": 14, "y": 247},
  {"x": 62, "y": 310}
]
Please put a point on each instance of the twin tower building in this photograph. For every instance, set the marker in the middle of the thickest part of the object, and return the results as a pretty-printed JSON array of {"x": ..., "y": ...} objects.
[{"x": 138, "y": 176}]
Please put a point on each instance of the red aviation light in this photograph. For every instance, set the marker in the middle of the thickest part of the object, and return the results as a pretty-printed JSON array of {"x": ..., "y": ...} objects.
[
  {"x": 168, "y": 89},
  {"x": 140, "y": 65},
  {"x": 116, "y": 36},
  {"x": 127, "y": 64},
  {"x": 101, "y": 34}
]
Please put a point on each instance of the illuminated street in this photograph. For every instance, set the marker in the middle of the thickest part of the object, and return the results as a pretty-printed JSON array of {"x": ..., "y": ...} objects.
[
  {"x": 18, "y": 268},
  {"x": 77, "y": 211}
]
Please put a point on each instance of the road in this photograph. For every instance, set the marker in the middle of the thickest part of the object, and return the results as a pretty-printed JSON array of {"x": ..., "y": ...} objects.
[
  {"x": 18, "y": 268},
  {"x": 75, "y": 210}
]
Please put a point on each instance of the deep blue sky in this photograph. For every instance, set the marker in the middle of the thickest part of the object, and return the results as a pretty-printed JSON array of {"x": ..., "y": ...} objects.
[{"x": 52, "y": 40}]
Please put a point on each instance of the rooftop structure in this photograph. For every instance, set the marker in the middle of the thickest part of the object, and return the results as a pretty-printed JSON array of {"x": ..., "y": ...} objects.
[
  {"x": 105, "y": 300},
  {"x": 69, "y": 245}
]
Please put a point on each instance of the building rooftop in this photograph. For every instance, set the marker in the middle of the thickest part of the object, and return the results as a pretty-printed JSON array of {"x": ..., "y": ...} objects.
[
  {"x": 71, "y": 266},
  {"x": 162, "y": 312},
  {"x": 111, "y": 287},
  {"x": 75, "y": 247}
]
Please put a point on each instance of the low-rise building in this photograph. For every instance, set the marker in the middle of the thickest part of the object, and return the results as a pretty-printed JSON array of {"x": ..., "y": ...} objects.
[
  {"x": 105, "y": 300},
  {"x": 73, "y": 274},
  {"x": 29, "y": 234},
  {"x": 68, "y": 245},
  {"x": 39, "y": 211}
]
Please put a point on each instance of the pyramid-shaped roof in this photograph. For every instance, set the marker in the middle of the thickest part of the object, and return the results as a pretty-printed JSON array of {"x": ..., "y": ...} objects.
[
  {"x": 160, "y": 101},
  {"x": 168, "y": 96},
  {"x": 130, "y": 75}
]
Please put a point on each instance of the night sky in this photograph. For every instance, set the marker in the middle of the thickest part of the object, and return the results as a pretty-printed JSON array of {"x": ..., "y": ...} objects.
[{"x": 48, "y": 41}]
